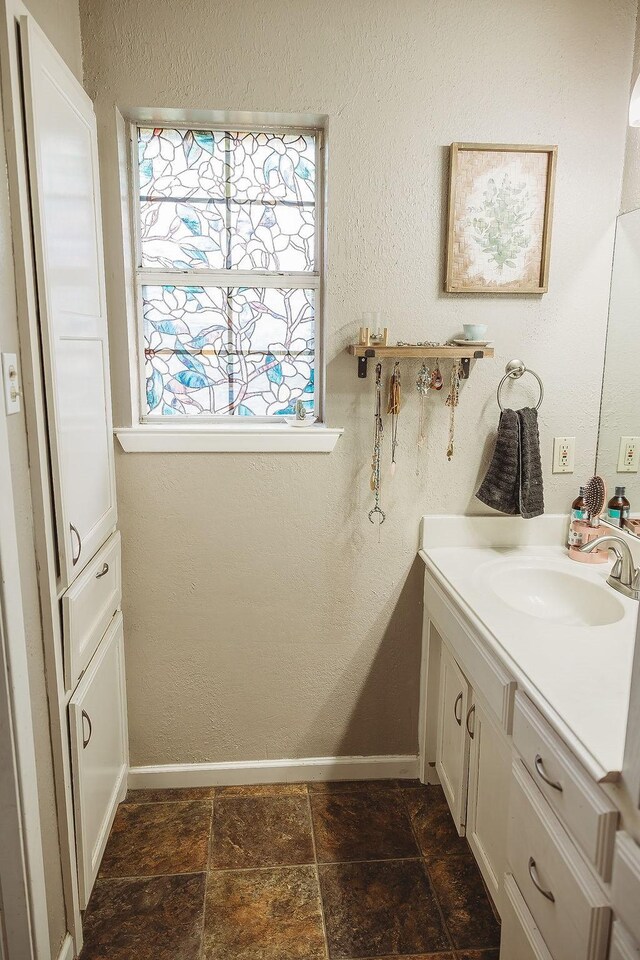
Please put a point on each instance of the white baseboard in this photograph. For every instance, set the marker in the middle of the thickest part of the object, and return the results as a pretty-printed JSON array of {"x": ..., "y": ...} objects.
[
  {"x": 66, "y": 950},
  {"x": 273, "y": 771}
]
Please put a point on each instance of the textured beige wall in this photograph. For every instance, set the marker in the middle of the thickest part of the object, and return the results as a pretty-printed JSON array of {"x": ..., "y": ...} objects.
[
  {"x": 60, "y": 20},
  {"x": 631, "y": 182},
  {"x": 264, "y": 616}
]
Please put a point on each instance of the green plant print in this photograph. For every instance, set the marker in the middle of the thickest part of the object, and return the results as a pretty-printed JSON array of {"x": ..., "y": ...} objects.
[{"x": 499, "y": 224}]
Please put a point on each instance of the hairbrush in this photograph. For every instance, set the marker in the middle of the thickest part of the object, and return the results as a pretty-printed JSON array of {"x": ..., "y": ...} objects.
[
  {"x": 584, "y": 531},
  {"x": 595, "y": 497}
]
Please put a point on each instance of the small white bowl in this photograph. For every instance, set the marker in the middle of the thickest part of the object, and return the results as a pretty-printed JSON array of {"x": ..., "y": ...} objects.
[{"x": 308, "y": 422}]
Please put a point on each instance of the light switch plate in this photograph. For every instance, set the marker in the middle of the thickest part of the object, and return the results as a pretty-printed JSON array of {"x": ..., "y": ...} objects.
[
  {"x": 563, "y": 454},
  {"x": 11, "y": 383},
  {"x": 629, "y": 455}
]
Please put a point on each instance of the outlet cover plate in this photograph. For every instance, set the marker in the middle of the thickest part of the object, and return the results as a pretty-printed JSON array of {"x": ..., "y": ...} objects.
[
  {"x": 563, "y": 454},
  {"x": 629, "y": 455}
]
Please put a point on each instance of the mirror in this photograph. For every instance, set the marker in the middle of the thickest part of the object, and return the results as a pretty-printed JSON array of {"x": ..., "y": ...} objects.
[{"x": 620, "y": 410}]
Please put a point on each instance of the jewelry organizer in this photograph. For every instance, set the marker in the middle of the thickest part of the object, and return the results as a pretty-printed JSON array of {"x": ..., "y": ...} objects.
[{"x": 465, "y": 355}]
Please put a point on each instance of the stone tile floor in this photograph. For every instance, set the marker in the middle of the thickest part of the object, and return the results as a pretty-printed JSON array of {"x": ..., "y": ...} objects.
[{"x": 318, "y": 871}]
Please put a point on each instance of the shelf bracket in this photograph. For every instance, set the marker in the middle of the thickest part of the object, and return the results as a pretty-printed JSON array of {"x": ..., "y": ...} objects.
[{"x": 362, "y": 364}]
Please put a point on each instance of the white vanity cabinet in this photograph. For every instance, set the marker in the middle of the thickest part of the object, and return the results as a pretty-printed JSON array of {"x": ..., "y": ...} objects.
[{"x": 541, "y": 829}]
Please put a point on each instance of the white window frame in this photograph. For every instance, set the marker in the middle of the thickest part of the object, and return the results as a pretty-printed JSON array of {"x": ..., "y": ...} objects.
[{"x": 209, "y": 432}]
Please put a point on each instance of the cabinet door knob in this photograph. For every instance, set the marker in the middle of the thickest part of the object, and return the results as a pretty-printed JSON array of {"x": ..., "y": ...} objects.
[
  {"x": 471, "y": 713},
  {"x": 455, "y": 709},
  {"x": 85, "y": 740},
  {"x": 105, "y": 570},
  {"x": 533, "y": 873},
  {"x": 543, "y": 776},
  {"x": 74, "y": 558}
]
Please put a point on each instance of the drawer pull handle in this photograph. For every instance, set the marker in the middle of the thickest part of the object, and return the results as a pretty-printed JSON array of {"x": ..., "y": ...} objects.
[
  {"x": 85, "y": 741},
  {"x": 533, "y": 873},
  {"x": 74, "y": 558},
  {"x": 455, "y": 709},
  {"x": 471, "y": 713},
  {"x": 540, "y": 771},
  {"x": 105, "y": 570}
]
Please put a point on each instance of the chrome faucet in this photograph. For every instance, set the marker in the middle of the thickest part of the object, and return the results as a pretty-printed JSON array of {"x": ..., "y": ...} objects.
[{"x": 624, "y": 577}]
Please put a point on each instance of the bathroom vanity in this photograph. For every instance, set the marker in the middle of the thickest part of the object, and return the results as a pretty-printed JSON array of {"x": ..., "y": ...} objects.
[{"x": 526, "y": 671}]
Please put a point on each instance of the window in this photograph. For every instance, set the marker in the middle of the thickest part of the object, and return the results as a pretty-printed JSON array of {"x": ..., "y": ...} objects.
[{"x": 228, "y": 254}]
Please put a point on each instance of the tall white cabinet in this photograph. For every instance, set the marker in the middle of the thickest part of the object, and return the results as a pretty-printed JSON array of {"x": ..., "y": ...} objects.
[{"x": 62, "y": 158}]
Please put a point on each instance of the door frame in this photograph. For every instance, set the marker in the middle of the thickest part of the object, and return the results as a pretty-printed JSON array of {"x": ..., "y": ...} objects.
[
  {"x": 13, "y": 11},
  {"x": 22, "y": 880}
]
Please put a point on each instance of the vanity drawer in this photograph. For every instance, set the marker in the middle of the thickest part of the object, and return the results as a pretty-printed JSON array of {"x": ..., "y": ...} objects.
[
  {"x": 562, "y": 894},
  {"x": 585, "y": 811},
  {"x": 625, "y": 883},
  {"x": 623, "y": 946},
  {"x": 88, "y": 606},
  {"x": 520, "y": 938}
]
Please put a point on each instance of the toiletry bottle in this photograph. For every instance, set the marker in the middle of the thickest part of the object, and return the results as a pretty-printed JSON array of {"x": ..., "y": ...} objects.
[
  {"x": 578, "y": 506},
  {"x": 578, "y": 512},
  {"x": 618, "y": 508}
]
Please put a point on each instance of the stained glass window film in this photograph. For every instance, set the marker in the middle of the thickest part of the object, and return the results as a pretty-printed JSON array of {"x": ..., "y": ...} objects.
[
  {"x": 222, "y": 200},
  {"x": 214, "y": 205},
  {"x": 214, "y": 350}
]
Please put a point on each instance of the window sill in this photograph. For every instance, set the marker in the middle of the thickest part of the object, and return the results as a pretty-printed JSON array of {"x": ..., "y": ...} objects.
[{"x": 228, "y": 438}]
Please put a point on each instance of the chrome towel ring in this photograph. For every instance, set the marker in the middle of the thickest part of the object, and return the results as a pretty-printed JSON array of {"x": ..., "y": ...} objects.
[{"x": 514, "y": 370}]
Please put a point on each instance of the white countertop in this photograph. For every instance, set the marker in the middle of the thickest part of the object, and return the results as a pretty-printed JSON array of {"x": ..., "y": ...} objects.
[{"x": 578, "y": 676}]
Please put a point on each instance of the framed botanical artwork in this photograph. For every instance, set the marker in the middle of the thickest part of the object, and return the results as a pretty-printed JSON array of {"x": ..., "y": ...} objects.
[{"x": 500, "y": 213}]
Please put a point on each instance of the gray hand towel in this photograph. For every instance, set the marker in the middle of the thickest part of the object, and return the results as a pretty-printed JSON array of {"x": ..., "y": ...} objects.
[{"x": 513, "y": 483}]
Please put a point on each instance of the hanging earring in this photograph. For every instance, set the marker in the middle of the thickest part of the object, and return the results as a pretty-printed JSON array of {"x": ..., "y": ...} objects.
[{"x": 436, "y": 377}]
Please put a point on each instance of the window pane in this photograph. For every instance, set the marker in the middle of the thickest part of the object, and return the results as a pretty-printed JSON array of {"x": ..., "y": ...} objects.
[
  {"x": 272, "y": 166},
  {"x": 218, "y": 351},
  {"x": 186, "y": 338},
  {"x": 183, "y": 235},
  {"x": 274, "y": 350},
  {"x": 181, "y": 164},
  {"x": 277, "y": 238}
]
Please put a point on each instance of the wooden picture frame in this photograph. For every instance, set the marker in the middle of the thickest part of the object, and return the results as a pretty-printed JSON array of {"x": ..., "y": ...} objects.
[{"x": 500, "y": 217}]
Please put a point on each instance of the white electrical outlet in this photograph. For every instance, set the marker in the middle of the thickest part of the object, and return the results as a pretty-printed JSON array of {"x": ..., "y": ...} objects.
[
  {"x": 11, "y": 383},
  {"x": 629, "y": 455},
  {"x": 563, "y": 453}
]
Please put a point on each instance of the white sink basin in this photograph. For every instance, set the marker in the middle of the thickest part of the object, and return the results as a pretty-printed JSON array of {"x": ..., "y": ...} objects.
[{"x": 545, "y": 589}]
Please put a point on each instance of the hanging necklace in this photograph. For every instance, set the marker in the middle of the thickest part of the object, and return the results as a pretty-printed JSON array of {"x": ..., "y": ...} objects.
[
  {"x": 452, "y": 402},
  {"x": 423, "y": 382},
  {"x": 395, "y": 398},
  {"x": 378, "y": 427}
]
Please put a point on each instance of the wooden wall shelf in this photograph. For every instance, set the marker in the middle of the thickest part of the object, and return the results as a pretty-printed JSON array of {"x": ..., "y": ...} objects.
[{"x": 415, "y": 352}]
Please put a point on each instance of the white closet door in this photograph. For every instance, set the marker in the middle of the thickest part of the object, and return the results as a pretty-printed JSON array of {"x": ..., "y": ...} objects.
[{"x": 65, "y": 197}]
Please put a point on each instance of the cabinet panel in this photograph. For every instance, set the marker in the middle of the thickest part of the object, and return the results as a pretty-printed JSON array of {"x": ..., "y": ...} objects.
[
  {"x": 558, "y": 886},
  {"x": 588, "y": 814},
  {"x": 488, "y": 798},
  {"x": 88, "y": 606},
  {"x": 97, "y": 727},
  {"x": 452, "y": 752},
  {"x": 623, "y": 946},
  {"x": 520, "y": 938},
  {"x": 65, "y": 205},
  {"x": 625, "y": 883}
]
